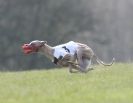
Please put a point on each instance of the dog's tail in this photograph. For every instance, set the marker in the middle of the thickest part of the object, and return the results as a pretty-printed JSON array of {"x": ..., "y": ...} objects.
[{"x": 101, "y": 62}]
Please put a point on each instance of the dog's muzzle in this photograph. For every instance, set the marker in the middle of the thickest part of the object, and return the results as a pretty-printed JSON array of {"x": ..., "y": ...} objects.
[{"x": 27, "y": 48}]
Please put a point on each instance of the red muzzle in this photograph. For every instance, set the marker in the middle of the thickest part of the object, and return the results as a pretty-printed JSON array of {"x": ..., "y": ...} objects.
[{"x": 27, "y": 48}]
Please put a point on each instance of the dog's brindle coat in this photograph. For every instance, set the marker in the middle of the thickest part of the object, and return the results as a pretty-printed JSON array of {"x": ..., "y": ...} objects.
[{"x": 79, "y": 61}]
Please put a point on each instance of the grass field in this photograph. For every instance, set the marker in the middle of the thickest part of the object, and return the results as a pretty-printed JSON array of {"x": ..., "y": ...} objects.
[{"x": 103, "y": 85}]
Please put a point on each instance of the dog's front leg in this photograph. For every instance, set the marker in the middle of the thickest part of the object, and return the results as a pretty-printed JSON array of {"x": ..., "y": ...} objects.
[{"x": 71, "y": 67}]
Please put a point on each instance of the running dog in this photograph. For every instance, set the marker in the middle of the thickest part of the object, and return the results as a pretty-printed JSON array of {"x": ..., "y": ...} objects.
[{"x": 74, "y": 55}]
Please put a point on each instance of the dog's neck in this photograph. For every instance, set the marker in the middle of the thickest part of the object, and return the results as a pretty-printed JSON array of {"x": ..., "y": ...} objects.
[{"x": 47, "y": 51}]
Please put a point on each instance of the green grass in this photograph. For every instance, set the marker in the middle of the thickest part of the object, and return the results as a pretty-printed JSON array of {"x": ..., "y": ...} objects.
[{"x": 103, "y": 85}]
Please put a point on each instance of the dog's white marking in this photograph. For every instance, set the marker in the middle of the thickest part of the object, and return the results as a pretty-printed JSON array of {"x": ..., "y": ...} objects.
[{"x": 60, "y": 51}]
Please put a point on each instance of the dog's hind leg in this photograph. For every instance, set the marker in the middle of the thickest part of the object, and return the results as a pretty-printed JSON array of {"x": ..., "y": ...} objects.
[{"x": 87, "y": 65}]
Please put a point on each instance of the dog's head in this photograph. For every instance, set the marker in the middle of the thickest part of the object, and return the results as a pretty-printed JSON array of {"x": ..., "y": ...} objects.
[{"x": 33, "y": 46}]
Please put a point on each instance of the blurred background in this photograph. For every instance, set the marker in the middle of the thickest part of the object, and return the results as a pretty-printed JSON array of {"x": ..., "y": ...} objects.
[{"x": 104, "y": 25}]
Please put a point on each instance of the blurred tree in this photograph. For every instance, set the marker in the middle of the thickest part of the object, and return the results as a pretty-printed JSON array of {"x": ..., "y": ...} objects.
[{"x": 105, "y": 25}]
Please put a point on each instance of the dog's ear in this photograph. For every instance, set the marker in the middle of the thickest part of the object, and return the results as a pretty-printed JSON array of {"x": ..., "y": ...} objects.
[{"x": 43, "y": 42}]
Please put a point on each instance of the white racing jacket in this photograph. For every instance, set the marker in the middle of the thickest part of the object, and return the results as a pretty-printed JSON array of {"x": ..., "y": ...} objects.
[{"x": 63, "y": 49}]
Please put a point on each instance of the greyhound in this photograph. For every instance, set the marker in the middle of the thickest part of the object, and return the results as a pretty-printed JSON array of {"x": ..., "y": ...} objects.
[{"x": 74, "y": 55}]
